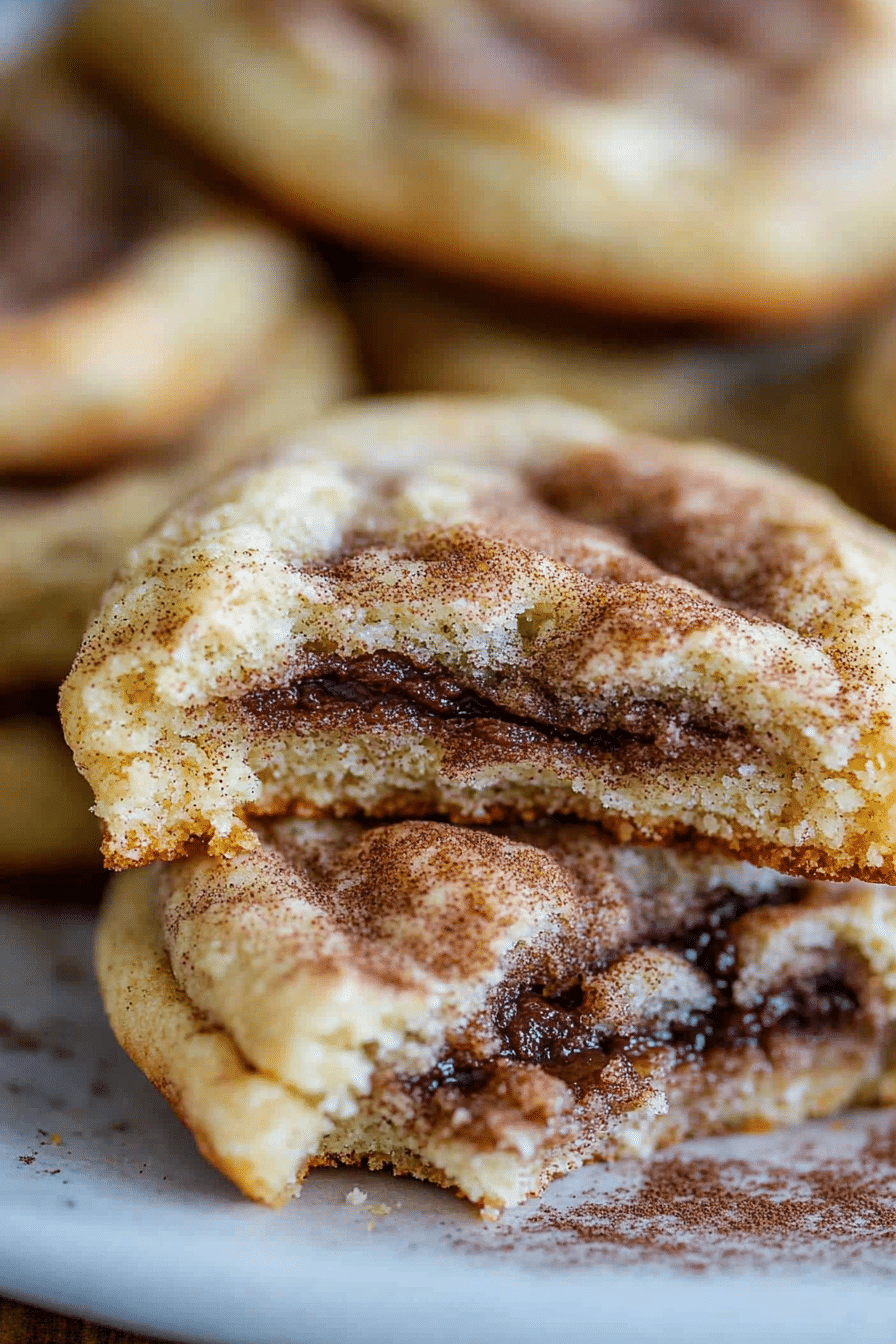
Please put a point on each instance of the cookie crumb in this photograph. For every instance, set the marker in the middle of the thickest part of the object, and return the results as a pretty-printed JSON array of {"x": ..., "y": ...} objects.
[
  {"x": 380, "y": 1209},
  {"x": 56, "y": 1139},
  {"x": 356, "y": 1198}
]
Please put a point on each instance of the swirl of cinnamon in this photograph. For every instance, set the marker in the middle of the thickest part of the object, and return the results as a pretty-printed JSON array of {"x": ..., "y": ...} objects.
[{"x": 131, "y": 300}]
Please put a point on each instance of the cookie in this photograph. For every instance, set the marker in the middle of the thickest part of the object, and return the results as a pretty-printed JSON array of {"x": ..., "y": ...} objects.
[
  {"x": 60, "y": 544},
  {"x": 489, "y": 610},
  {"x": 687, "y": 160},
  {"x": 45, "y": 820},
  {"x": 488, "y": 1009},
  {"x": 873, "y": 387},
  {"x": 132, "y": 300},
  {"x": 783, "y": 398}
]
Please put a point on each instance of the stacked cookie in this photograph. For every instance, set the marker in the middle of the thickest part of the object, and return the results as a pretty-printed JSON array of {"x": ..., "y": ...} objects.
[
  {"x": 519, "y": 789},
  {"x": 150, "y": 330},
  {"x": 524, "y": 793}
]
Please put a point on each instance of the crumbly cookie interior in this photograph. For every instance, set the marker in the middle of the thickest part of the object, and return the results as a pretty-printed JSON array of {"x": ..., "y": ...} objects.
[{"x": 490, "y": 1007}]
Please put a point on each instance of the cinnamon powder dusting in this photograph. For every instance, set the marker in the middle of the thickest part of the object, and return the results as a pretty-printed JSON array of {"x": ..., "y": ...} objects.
[{"x": 818, "y": 1205}]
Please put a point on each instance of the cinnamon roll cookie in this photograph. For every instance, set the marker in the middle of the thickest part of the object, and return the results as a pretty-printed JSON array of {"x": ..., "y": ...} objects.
[
  {"x": 499, "y": 609},
  {"x": 131, "y": 299},
  {"x": 783, "y": 398},
  {"x": 488, "y": 1009},
  {"x": 694, "y": 159}
]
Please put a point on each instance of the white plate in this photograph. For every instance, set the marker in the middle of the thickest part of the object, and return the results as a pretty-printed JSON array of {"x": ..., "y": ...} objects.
[{"x": 107, "y": 1211}]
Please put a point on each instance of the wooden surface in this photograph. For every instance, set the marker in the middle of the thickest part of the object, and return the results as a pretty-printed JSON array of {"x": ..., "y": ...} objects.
[{"x": 27, "y": 1325}]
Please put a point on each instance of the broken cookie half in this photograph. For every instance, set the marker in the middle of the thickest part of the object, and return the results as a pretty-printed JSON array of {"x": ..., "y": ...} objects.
[
  {"x": 497, "y": 610},
  {"x": 489, "y": 1008}
]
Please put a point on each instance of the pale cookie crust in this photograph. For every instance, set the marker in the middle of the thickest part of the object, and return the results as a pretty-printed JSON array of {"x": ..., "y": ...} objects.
[
  {"x": 149, "y": 320},
  {"x": 782, "y": 398},
  {"x": 60, "y": 545},
  {"x": 45, "y": 820},
  {"x": 874, "y": 408},
  {"x": 490, "y": 609},
  {"x": 715, "y": 164},
  {"x": 489, "y": 1009}
]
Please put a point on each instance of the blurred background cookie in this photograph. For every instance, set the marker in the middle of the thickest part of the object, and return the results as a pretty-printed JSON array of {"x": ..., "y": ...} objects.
[
  {"x": 699, "y": 160},
  {"x": 151, "y": 329},
  {"x": 131, "y": 298},
  {"x": 60, "y": 544},
  {"x": 782, "y": 398},
  {"x": 873, "y": 390},
  {"x": 45, "y": 821}
]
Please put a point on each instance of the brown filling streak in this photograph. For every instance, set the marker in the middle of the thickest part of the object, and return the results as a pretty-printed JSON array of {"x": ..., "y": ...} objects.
[
  {"x": 391, "y": 691},
  {"x": 553, "y": 1029}
]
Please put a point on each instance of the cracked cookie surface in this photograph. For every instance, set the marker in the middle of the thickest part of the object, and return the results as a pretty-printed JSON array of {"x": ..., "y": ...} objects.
[{"x": 488, "y": 610}]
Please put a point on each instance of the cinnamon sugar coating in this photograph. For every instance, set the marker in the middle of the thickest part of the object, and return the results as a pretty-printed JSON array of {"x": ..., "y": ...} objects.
[
  {"x": 489, "y": 1008},
  {"x": 488, "y": 610}
]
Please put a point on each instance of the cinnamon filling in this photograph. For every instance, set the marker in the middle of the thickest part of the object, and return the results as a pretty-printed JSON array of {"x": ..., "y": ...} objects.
[
  {"x": 385, "y": 690},
  {"x": 75, "y": 197},
  {"x": 558, "y": 1031}
]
